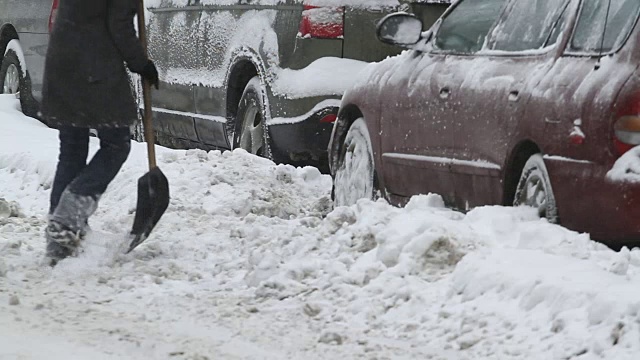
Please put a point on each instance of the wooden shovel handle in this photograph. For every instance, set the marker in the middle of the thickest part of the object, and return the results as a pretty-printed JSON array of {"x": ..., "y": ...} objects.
[{"x": 146, "y": 93}]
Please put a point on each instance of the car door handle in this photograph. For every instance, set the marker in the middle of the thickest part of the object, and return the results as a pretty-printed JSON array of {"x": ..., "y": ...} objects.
[
  {"x": 445, "y": 92},
  {"x": 514, "y": 95}
]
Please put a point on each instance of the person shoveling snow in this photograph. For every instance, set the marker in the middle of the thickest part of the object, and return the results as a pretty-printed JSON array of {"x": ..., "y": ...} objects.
[{"x": 86, "y": 86}]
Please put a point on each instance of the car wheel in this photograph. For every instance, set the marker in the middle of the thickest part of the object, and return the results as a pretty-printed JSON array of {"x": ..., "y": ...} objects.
[
  {"x": 251, "y": 130},
  {"x": 11, "y": 77},
  {"x": 534, "y": 189},
  {"x": 355, "y": 173}
]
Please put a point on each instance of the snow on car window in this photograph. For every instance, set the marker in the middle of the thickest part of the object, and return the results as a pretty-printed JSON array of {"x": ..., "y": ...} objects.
[
  {"x": 527, "y": 25},
  {"x": 588, "y": 36},
  {"x": 464, "y": 30}
]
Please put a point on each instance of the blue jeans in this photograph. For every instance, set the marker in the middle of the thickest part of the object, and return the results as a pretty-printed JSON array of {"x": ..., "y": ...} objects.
[{"x": 93, "y": 178}]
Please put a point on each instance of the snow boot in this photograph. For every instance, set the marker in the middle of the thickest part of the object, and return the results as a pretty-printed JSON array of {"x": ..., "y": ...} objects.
[
  {"x": 68, "y": 225},
  {"x": 62, "y": 242}
]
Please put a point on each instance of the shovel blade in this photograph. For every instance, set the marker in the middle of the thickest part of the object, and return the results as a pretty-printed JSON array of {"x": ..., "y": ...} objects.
[{"x": 153, "y": 200}]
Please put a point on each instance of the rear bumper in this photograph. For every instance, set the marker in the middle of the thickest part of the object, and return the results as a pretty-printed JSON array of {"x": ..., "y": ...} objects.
[
  {"x": 588, "y": 202},
  {"x": 303, "y": 141}
]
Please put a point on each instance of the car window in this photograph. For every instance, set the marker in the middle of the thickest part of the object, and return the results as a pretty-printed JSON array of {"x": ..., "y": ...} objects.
[
  {"x": 527, "y": 24},
  {"x": 560, "y": 26},
  {"x": 465, "y": 29},
  {"x": 588, "y": 36}
]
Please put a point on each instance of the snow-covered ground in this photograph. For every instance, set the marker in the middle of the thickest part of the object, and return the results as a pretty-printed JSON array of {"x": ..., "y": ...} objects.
[{"x": 251, "y": 261}]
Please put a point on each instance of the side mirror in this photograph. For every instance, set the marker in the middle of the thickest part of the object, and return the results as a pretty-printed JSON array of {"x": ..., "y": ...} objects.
[{"x": 400, "y": 29}]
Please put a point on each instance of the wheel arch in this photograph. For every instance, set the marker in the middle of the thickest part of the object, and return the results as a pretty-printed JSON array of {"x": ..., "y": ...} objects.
[
  {"x": 514, "y": 165},
  {"x": 239, "y": 76}
]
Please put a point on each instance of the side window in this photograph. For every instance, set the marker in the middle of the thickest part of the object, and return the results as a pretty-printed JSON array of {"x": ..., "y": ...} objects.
[
  {"x": 588, "y": 36},
  {"x": 465, "y": 29},
  {"x": 560, "y": 26},
  {"x": 527, "y": 25}
]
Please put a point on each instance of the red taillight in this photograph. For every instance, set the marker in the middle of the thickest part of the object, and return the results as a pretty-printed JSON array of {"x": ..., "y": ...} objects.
[
  {"x": 626, "y": 133},
  {"x": 53, "y": 14},
  {"x": 322, "y": 22},
  {"x": 329, "y": 118}
]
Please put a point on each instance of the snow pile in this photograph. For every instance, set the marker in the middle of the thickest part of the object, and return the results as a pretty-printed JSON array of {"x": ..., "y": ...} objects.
[
  {"x": 250, "y": 261},
  {"x": 497, "y": 281}
]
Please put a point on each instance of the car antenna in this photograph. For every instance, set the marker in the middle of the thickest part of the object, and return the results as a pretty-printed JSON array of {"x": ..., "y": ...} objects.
[{"x": 604, "y": 32}]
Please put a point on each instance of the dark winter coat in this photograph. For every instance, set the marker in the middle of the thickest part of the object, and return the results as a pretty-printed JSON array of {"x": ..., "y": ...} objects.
[{"x": 85, "y": 80}]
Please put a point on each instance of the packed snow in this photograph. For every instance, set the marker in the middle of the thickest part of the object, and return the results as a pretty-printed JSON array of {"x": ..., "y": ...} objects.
[{"x": 252, "y": 261}]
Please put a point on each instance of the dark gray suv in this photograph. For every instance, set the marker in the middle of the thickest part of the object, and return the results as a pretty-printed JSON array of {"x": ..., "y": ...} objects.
[{"x": 265, "y": 76}]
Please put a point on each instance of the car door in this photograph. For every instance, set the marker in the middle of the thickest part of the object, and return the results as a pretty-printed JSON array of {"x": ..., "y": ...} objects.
[
  {"x": 570, "y": 80},
  {"x": 572, "y": 111},
  {"x": 414, "y": 138},
  {"x": 419, "y": 121},
  {"x": 172, "y": 38},
  {"x": 496, "y": 88}
]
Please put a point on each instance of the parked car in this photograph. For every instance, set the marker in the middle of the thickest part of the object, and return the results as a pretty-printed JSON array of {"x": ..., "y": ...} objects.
[
  {"x": 24, "y": 35},
  {"x": 501, "y": 102},
  {"x": 265, "y": 76}
]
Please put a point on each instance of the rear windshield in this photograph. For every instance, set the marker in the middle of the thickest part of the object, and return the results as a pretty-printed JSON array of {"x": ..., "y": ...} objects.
[{"x": 591, "y": 36}]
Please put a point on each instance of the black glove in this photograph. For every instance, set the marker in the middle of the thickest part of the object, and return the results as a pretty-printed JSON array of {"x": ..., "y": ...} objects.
[{"x": 150, "y": 73}]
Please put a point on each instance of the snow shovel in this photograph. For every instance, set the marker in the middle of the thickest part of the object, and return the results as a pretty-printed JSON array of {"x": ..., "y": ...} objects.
[{"x": 153, "y": 187}]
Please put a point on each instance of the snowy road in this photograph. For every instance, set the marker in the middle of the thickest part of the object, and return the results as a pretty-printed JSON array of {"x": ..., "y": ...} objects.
[{"x": 252, "y": 262}]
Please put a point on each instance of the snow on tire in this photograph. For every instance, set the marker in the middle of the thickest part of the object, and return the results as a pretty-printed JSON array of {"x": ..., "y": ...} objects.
[
  {"x": 534, "y": 189},
  {"x": 354, "y": 178},
  {"x": 11, "y": 74},
  {"x": 251, "y": 130}
]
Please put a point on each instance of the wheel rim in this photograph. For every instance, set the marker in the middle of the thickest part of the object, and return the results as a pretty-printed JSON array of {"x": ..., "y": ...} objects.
[
  {"x": 11, "y": 80},
  {"x": 252, "y": 134},
  {"x": 534, "y": 194}
]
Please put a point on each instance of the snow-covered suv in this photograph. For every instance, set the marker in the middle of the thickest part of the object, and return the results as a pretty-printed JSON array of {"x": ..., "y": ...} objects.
[{"x": 263, "y": 75}]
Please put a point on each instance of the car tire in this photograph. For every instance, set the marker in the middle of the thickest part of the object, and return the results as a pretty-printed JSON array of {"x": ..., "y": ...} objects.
[
  {"x": 355, "y": 177},
  {"x": 534, "y": 189},
  {"x": 251, "y": 129},
  {"x": 11, "y": 76}
]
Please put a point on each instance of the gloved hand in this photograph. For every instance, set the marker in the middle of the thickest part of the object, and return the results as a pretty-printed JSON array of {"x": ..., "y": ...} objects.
[{"x": 150, "y": 73}]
